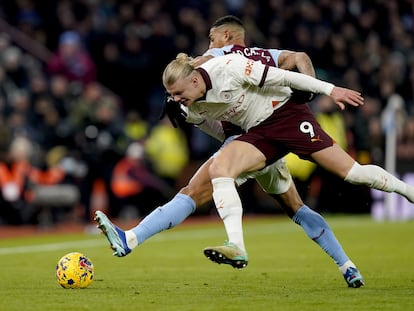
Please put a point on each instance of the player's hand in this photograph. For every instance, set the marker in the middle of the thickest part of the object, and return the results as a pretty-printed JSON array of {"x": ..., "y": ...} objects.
[
  {"x": 342, "y": 96},
  {"x": 173, "y": 110}
]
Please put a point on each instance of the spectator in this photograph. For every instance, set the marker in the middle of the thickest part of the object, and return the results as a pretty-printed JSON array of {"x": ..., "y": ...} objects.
[
  {"x": 12, "y": 60},
  {"x": 72, "y": 60},
  {"x": 18, "y": 178},
  {"x": 405, "y": 143},
  {"x": 100, "y": 138},
  {"x": 7, "y": 87},
  {"x": 81, "y": 109},
  {"x": 135, "y": 185},
  {"x": 364, "y": 45},
  {"x": 46, "y": 120},
  {"x": 61, "y": 94},
  {"x": 167, "y": 151},
  {"x": 130, "y": 60},
  {"x": 19, "y": 115},
  {"x": 135, "y": 127}
]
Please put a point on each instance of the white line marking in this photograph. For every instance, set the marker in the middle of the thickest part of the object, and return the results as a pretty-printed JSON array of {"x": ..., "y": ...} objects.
[
  {"x": 51, "y": 247},
  {"x": 210, "y": 233},
  {"x": 173, "y": 235}
]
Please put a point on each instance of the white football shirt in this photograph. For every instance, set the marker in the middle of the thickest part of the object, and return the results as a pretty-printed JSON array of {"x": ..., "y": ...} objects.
[{"x": 246, "y": 92}]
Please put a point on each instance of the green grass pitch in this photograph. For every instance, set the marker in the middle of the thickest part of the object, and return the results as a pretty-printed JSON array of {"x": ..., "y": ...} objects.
[{"x": 286, "y": 271}]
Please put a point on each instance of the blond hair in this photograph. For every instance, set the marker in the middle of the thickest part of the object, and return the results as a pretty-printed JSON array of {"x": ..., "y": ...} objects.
[{"x": 179, "y": 68}]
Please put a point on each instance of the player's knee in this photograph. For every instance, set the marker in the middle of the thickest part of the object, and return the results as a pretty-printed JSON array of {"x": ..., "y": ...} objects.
[{"x": 218, "y": 169}]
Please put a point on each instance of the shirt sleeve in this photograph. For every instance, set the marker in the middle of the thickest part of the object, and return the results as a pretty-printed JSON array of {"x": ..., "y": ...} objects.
[
  {"x": 244, "y": 70},
  {"x": 262, "y": 75},
  {"x": 193, "y": 117},
  {"x": 212, "y": 128},
  {"x": 275, "y": 55},
  {"x": 302, "y": 82}
]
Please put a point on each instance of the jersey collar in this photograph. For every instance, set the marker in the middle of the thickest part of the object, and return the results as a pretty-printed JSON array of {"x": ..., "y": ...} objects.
[{"x": 207, "y": 81}]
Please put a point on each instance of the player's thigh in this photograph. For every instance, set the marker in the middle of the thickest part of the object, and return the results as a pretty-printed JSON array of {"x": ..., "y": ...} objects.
[
  {"x": 235, "y": 158},
  {"x": 335, "y": 160}
]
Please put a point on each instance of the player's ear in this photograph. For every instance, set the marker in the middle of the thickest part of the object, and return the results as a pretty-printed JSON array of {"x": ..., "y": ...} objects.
[
  {"x": 227, "y": 36},
  {"x": 194, "y": 80}
]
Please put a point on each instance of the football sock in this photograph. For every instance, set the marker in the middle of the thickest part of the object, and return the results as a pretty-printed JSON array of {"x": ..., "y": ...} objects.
[
  {"x": 378, "y": 178},
  {"x": 319, "y": 231},
  {"x": 162, "y": 218},
  {"x": 131, "y": 239},
  {"x": 229, "y": 207},
  {"x": 346, "y": 265}
]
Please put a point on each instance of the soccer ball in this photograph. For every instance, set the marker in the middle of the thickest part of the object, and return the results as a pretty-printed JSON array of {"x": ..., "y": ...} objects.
[{"x": 74, "y": 270}]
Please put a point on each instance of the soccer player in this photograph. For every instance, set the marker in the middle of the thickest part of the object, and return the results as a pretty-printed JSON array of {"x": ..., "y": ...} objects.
[
  {"x": 257, "y": 98},
  {"x": 275, "y": 179}
]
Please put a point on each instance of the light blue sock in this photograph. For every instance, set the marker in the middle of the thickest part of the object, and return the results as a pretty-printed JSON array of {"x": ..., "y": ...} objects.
[
  {"x": 319, "y": 231},
  {"x": 165, "y": 217}
]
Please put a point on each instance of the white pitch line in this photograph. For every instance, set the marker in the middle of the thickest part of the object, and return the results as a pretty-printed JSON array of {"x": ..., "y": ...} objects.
[
  {"x": 51, "y": 247},
  {"x": 171, "y": 236}
]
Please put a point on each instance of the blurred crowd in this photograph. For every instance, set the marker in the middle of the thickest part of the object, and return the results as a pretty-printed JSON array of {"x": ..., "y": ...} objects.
[{"x": 81, "y": 96}]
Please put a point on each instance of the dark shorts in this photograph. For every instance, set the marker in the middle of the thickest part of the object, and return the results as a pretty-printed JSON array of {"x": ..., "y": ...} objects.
[{"x": 291, "y": 128}]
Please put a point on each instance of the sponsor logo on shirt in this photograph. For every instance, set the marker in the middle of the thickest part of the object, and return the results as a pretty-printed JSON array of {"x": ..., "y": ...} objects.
[
  {"x": 234, "y": 110},
  {"x": 249, "y": 67},
  {"x": 315, "y": 139},
  {"x": 226, "y": 95}
]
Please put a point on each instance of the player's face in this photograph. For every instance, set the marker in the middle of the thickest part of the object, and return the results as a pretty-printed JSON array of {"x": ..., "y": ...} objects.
[
  {"x": 186, "y": 90},
  {"x": 218, "y": 38}
]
